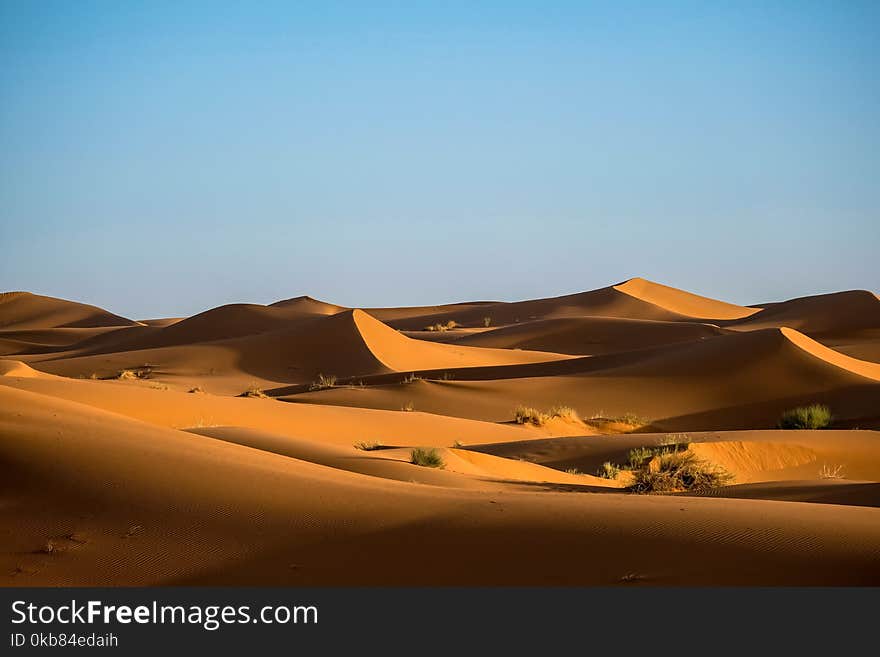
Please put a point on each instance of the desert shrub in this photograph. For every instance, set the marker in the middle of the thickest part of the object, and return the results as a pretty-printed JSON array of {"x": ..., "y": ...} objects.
[
  {"x": 254, "y": 392},
  {"x": 142, "y": 372},
  {"x": 678, "y": 471},
  {"x": 638, "y": 456},
  {"x": 677, "y": 439},
  {"x": 458, "y": 444},
  {"x": 411, "y": 378},
  {"x": 608, "y": 471},
  {"x": 831, "y": 471},
  {"x": 529, "y": 415},
  {"x": 369, "y": 446},
  {"x": 426, "y": 457},
  {"x": 448, "y": 326},
  {"x": 631, "y": 419},
  {"x": 814, "y": 416},
  {"x": 323, "y": 381},
  {"x": 196, "y": 389},
  {"x": 564, "y": 412},
  {"x": 487, "y": 322},
  {"x": 408, "y": 407},
  {"x": 572, "y": 471}
]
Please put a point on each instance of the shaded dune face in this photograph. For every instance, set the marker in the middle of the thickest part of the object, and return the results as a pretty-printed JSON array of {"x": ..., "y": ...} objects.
[
  {"x": 23, "y": 310},
  {"x": 127, "y": 448}
]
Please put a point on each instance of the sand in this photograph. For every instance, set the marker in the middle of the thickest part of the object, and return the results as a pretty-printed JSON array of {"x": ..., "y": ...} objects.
[{"x": 129, "y": 458}]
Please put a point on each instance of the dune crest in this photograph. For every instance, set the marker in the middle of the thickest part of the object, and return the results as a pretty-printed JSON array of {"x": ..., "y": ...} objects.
[
  {"x": 818, "y": 350},
  {"x": 17, "y": 368},
  {"x": 24, "y": 310},
  {"x": 681, "y": 302},
  {"x": 401, "y": 354}
]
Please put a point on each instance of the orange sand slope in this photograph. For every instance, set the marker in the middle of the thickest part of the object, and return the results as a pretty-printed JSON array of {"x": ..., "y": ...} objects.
[
  {"x": 128, "y": 456},
  {"x": 122, "y": 501},
  {"x": 726, "y": 382}
]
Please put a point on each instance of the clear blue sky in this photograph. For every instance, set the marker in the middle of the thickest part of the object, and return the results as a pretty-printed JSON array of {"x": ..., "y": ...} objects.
[{"x": 160, "y": 158}]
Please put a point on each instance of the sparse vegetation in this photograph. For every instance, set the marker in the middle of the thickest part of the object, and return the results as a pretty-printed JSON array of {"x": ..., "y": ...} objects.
[
  {"x": 50, "y": 548},
  {"x": 487, "y": 322},
  {"x": 675, "y": 439},
  {"x": 572, "y": 471},
  {"x": 608, "y": 471},
  {"x": 814, "y": 416},
  {"x": 564, "y": 412},
  {"x": 411, "y": 378},
  {"x": 457, "y": 444},
  {"x": 368, "y": 446},
  {"x": 143, "y": 372},
  {"x": 408, "y": 407},
  {"x": 630, "y": 418},
  {"x": 197, "y": 389},
  {"x": 448, "y": 326},
  {"x": 323, "y": 382},
  {"x": 531, "y": 415},
  {"x": 678, "y": 471},
  {"x": 254, "y": 392},
  {"x": 426, "y": 457},
  {"x": 638, "y": 456},
  {"x": 831, "y": 471}
]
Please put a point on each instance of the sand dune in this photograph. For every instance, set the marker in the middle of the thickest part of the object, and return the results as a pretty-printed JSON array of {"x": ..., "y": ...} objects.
[
  {"x": 821, "y": 316},
  {"x": 681, "y": 302},
  {"x": 127, "y": 449},
  {"x": 635, "y": 298},
  {"x": 308, "y": 306},
  {"x": 126, "y": 502},
  {"x": 589, "y": 335},
  {"x": 350, "y": 344},
  {"x": 23, "y": 310},
  {"x": 15, "y": 368},
  {"x": 706, "y": 384}
]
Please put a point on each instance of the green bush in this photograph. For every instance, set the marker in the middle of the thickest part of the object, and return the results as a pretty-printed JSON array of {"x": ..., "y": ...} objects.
[
  {"x": 426, "y": 457},
  {"x": 814, "y": 416}
]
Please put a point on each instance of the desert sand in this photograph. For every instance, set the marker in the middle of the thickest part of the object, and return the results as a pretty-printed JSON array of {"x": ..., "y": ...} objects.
[{"x": 272, "y": 444}]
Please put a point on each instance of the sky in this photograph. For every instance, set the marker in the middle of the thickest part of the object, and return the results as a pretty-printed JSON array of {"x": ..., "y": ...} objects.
[{"x": 162, "y": 158}]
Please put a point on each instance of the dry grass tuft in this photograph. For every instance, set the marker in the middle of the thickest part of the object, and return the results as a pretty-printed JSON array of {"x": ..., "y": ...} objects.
[
  {"x": 368, "y": 446},
  {"x": 530, "y": 415},
  {"x": 448, "y": 326},
  {"x": 831, "y": 471},
  {"x": 323, "y": 382},
  {"x": 538, "y": 418},
  {"x": 254, "y": 392}
]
